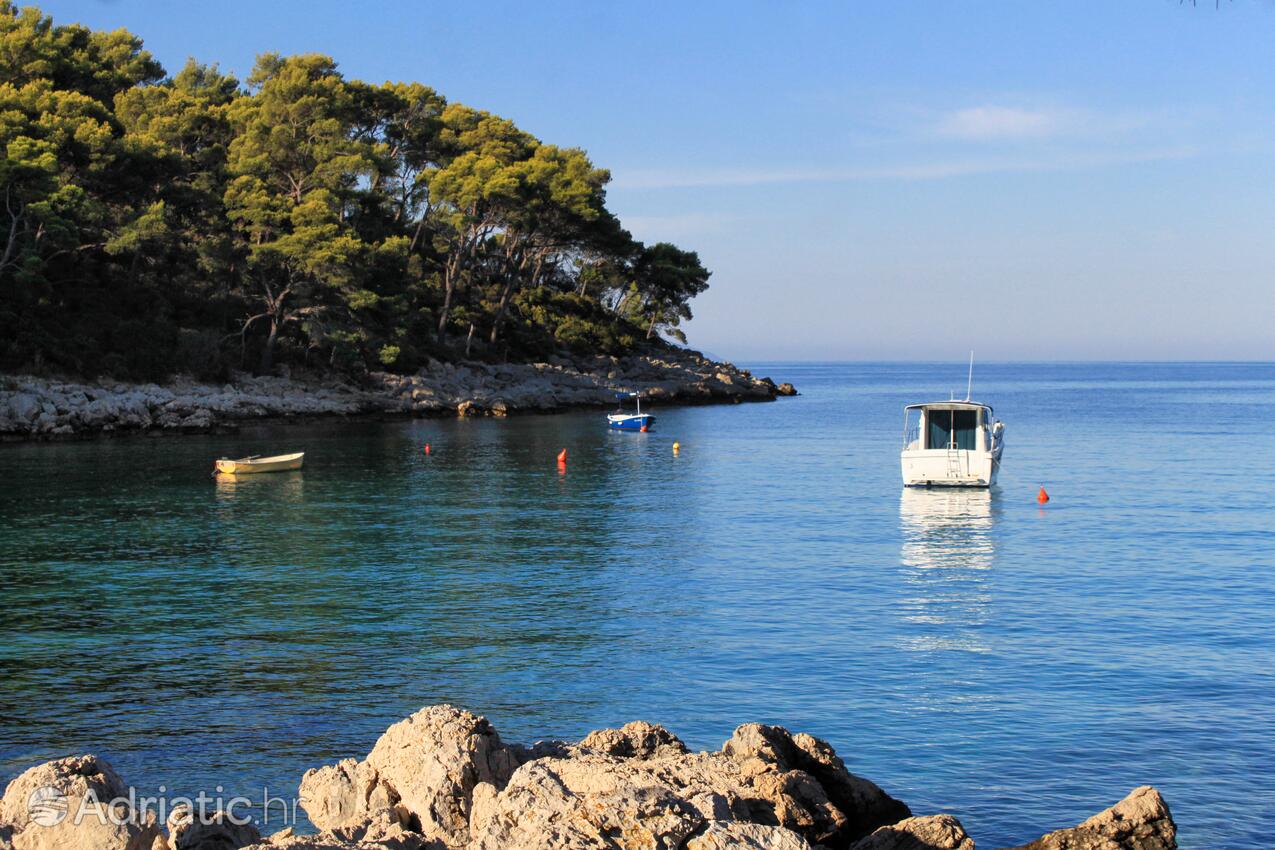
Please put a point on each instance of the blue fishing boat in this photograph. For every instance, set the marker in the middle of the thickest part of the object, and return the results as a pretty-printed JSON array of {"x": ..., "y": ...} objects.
[{"x": 636, "y": 420}]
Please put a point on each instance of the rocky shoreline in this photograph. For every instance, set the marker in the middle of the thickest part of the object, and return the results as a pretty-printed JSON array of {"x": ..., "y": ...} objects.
[
  {"x": 39, "y": 408},
  {"x": 442, "y": 779}
]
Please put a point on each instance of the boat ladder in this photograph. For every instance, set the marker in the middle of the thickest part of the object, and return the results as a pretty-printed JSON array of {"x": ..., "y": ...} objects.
[{"x": 954, "y": 463}]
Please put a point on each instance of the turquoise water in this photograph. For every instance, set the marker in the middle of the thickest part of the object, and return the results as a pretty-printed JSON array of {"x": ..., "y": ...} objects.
[{"x": 1020, "y": 667}]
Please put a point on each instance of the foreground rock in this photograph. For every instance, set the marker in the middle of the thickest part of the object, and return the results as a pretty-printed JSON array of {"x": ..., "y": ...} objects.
[
  {"x": 34, "y": 407},
  {"x": 443, "y": 779},
  {"x": 423, "y": 770},
  {"x": 69, "y": 804},
  {"x": 1140, "y": 821},
  {"x": 446, "y": 775},
  {"x": 214, "y": 831},
  {"x": 937, "y": 832}
]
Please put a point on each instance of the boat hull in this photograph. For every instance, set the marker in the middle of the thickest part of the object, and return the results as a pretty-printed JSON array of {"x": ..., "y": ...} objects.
[
  {"x": 630, "y": 422},
  {"x": 253, "y": 466},
  {"x": 942, "y": 468}
]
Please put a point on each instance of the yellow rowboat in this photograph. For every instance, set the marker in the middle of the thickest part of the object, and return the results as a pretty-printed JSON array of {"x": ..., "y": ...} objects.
[{"x": 256, "y": 463}]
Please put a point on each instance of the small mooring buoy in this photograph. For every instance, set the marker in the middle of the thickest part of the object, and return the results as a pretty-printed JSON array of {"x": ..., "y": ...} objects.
[
  {"x": 676, "y": 447},
  {"x": 427, "y": 448},
  {"x": 562, "y": 456},
  {"x": 1042, "y": 496}
]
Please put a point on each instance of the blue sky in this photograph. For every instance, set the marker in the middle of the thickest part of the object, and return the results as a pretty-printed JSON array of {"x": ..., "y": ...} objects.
[{"x": 869, "y": 180}]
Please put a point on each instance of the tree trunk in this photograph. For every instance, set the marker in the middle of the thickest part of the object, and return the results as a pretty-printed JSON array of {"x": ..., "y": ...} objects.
[
  {"x": 416, "y": 235},
  {"x": 650, "y": 329},
  {"x": 11, "y": 244},
  {"x": 623, "y": 303},
  {"x": 513, "y": 270},
  {"x": 451, "y": 274},
  {"x": 267, "y": 353},
  {"x": 501, "y": 309},
  {"x": 448, "y": 286}
]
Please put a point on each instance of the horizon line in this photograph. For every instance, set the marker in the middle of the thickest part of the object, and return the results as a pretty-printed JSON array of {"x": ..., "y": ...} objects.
[{"x": 1003, "y": 362}]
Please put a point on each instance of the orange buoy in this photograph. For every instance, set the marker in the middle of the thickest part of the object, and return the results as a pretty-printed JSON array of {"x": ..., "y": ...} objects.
[
  {"x": 427, "y": 448},
  {"x": 1042, "y": 496},
  {"x": 562, "y": 456},
  {"x": 643, "y": 429}
]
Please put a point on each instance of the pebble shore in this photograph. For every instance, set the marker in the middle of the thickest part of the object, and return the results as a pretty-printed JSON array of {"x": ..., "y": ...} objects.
[{"x": 40, "y": 408}]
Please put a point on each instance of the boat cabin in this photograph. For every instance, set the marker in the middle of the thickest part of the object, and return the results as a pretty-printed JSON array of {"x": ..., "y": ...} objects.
[
  {"x": 621, "y": 398},
  {"x": 949, "y": 426}
]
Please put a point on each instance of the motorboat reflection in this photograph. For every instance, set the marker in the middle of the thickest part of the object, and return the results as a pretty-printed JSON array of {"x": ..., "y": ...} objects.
[
  {"x": 947, "y": 555},
  {"x": 947, "y": 528}
]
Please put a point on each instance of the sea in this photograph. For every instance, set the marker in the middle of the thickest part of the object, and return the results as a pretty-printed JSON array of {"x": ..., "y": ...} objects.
[{"x": 1019, "y": 665}]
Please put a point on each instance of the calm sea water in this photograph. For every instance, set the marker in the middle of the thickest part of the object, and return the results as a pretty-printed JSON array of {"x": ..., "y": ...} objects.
[{"x": 971, "y": 652}]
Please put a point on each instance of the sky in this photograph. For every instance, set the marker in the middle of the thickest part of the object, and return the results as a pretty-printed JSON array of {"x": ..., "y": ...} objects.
[{"x": 868, "y": 180}]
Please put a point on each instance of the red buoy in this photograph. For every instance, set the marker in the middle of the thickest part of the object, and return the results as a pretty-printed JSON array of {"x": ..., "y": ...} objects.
[
  {"x": 427, "y": 448},
  {"x": 1042, "y": 496},
  {"x": 562, "y": 456}
]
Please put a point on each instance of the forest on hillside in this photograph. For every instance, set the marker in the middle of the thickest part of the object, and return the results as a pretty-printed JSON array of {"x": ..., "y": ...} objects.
[{"x": 155, "y": 223}]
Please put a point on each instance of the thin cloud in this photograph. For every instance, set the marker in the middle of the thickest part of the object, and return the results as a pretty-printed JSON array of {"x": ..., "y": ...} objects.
[
  {"x": 997, "y": 123},
  {"x": 992, "y": 123},
  {"x": 921, "y": 170},
  {"x": 658, "y": 226}
]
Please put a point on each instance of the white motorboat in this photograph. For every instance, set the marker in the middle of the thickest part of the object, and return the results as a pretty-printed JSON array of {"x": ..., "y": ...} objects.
[{"x": 951, "y": 444}]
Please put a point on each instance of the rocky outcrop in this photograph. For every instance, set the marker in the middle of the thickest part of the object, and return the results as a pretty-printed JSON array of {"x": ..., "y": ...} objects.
[
  {"x": 71, "y": 778},
  {"x": 584, "y": 803},
  {"x": 442, "y": 779},
  {"x": 39, "y": 408},
  {"x": 734, "y": 835},
  {"x": 431, "y": 762},
  {"x": 72, "y": 804},
  {"x": 936, "y": 832},
  {"x": 212, "y": 831},
  {"x": 344, "y": 793},
  {"x": 1140, "y": 821},
  {"x": 638, "y": 739},
  {"x": 445, "y": 774},
  {"x": 856, "y": 806},
  {"x": 380, "y": 830},
  {"x": 422, "y": 771}
]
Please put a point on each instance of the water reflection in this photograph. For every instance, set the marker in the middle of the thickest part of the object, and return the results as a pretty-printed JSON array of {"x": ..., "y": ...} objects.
[
  {"x": 947, "y": 528},
  {"x": 286, "y": 486},
  {"x": 947, "y": 556}
]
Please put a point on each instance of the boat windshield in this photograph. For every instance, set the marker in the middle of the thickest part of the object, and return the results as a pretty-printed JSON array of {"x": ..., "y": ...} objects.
[{"x": 951, "y": 429}]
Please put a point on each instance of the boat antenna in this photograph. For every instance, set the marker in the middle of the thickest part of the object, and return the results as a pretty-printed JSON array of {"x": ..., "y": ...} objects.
[{"x": 969, "y": 385}]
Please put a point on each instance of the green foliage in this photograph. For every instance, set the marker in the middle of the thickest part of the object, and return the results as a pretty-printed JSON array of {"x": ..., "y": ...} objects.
[
  {"x": 151, "y": 224},
  {"x": 665, "y": 279}
]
